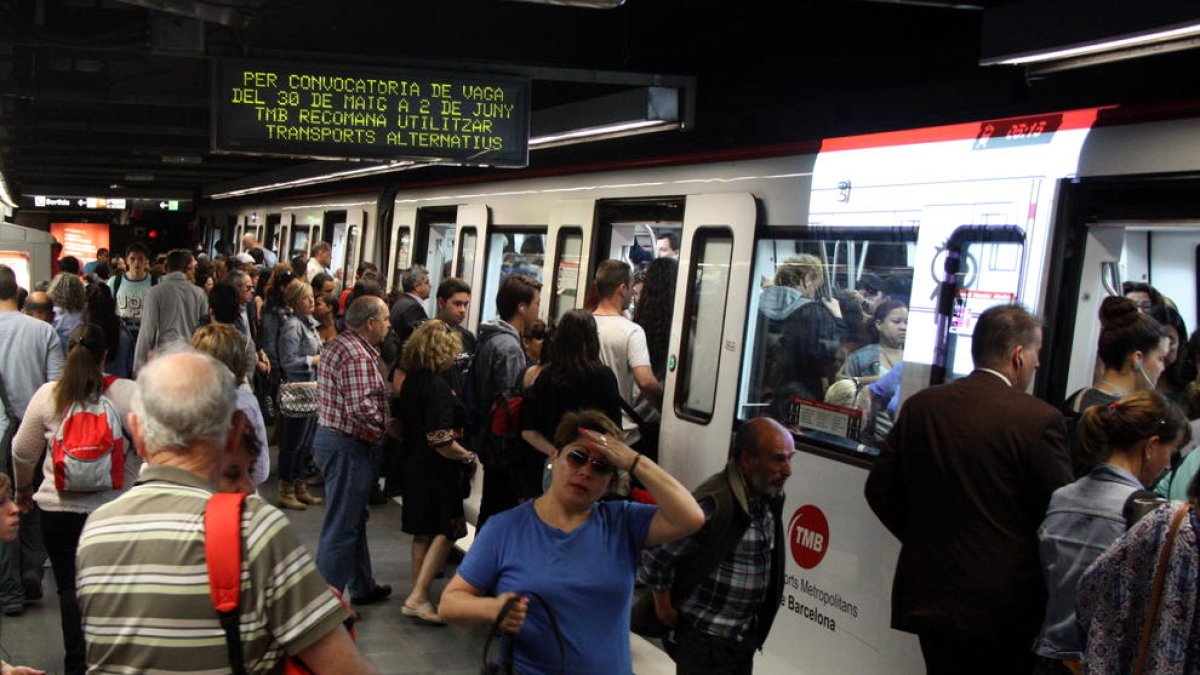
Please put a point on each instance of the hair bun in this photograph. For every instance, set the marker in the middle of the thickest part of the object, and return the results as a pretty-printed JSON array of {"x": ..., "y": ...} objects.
[{"x": 1118, "y": 312}]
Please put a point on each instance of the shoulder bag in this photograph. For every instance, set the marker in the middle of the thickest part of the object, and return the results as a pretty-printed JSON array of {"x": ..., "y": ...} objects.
[
  {"x": 1160, "y": 574},
  {"x": 223, "y": 553},
  {"x": 504, "y": 664},
  {"x": 296, "y": 399}
]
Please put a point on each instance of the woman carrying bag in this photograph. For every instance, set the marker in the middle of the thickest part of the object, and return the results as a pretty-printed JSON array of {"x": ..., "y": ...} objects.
[
  {"x": 299, "y": 356},
  {"x": 69, "y": 492}
]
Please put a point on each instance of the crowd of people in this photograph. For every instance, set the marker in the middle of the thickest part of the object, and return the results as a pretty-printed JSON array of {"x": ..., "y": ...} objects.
[
  {"x": 134, "y": 392},
  {"x": 1044, "y": 540}
]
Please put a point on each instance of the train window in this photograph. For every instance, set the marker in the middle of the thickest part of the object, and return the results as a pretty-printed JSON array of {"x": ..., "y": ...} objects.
[
  {"x": 565, "y": 285},
  {"x": 510, "y": 252},
  {"x": 271, "y": 238},
  {"x": 343, "y": 245},
  {"x": 300, "y": 239},
  {"x": 403, "y": 254},
  {"x": 704, "y": 323},
  {"x": 466, "y": 255},
  {"x": 992, "y": 276},
  {"x": 438, "y": 257},
  {"x": 828, "y": 319}
]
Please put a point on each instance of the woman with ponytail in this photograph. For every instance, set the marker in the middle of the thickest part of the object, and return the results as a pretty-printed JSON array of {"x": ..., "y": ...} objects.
[
  {"x": 63, "y": 513},
  {"x": 1131, "y": 441}
]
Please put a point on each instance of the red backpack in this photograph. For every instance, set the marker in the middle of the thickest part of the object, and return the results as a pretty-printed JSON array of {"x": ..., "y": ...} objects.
[{"x": 89, "y": 447}]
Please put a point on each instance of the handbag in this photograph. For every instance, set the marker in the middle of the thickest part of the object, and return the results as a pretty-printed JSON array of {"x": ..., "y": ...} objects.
[
  {"x": 1160, "y": 573},
  {"x": 223, "y": 553},
  {"x": 298, "y": 399},
  {"x": 504, "y": 664}
]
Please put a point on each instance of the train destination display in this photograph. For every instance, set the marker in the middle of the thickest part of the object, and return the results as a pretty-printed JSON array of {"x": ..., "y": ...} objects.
[{"x": 369, "y": 112}]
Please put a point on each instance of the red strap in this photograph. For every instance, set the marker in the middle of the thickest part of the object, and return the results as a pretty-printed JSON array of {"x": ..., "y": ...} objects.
[
  {"x": 108, "y": 380},
  {"x": 223, "y": 549}
]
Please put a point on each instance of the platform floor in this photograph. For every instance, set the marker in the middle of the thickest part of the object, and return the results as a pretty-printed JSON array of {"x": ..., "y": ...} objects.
[{"x": 392, "y": 641}]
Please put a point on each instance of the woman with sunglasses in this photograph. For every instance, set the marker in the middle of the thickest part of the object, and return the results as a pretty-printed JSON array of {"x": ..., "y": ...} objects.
[
  {"x": 1132, "y": 439},
  {"x": 574, "y": 551}
]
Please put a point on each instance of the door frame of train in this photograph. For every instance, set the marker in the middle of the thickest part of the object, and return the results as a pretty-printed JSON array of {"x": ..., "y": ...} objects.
[
  {"x": 568, "y": 214},
  {"x": 700, "y": 448},
  {"x": 470, "y": 216}
]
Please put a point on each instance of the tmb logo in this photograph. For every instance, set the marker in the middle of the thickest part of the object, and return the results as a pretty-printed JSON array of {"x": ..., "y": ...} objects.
[{"x": 808, "y": 536}]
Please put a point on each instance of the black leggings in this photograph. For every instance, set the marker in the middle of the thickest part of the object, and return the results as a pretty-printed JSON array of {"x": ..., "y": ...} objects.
[{"x": 61, "y": 531}]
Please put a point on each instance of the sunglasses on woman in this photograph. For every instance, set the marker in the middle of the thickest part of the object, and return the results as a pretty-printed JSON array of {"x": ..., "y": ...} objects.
[{"x": 601, "y": 467}]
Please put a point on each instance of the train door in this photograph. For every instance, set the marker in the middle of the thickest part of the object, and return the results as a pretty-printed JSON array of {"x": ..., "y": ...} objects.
[
  {"x": 346, "y": 240},
  {"x": 404, "y": 222},
  {"x": 567, "y": 239},
  {"x": 707, "y": 326},
  {"x": 508, "y": 251},
  {"x": 305, "y": 231},
  {"x": 271, "y": 236},
  {"x": 437, "y": 231},
  {"x": 471, "y": 222}
]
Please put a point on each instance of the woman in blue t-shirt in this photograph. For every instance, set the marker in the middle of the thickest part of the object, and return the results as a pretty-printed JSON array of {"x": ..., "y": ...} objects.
[{"x": 577, "y": 553}]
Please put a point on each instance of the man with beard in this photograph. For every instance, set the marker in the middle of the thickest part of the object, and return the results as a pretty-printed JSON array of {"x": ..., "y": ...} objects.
[{"x": 720, "y": 588}]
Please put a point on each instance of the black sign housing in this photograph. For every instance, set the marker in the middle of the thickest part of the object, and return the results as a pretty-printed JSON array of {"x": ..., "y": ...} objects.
[{"x": 369, "y": 112}]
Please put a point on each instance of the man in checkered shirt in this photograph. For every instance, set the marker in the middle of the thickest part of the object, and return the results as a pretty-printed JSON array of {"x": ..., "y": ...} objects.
[
  {"x": 720, "y": 588},
  {"x": 352, "y": 415}
]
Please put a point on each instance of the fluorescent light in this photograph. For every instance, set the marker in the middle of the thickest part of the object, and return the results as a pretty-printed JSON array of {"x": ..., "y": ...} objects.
[
  {"x": 322, "y": 178},
  {"x": 5, "y": 197},
  {"x": 1110, "y": 45},
  {"x": 601, "y": 133}
]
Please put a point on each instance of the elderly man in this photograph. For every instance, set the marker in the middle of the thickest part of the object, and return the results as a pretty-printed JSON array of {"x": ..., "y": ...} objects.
[
  {"x": 185, "y": 424},
  {"x": 409, "y": 310},
  {"x": 352, "y": 416},
  {"x": 39, "y": 306},
  {"x": 963, "y": 481},
  {"x": 720, "y": 587},
  {"x": 319, "y": 261},
  {"x": 250, "y": 242}
]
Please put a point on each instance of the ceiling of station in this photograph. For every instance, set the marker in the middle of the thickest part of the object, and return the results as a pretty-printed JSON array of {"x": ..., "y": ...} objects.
[{"x": 102, "y": 93}]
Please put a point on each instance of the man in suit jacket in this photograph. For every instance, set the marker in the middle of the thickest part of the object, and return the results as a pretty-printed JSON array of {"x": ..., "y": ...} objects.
[
  {"x": 963, "y": 481},
  {"x": 409, "y": 310}
]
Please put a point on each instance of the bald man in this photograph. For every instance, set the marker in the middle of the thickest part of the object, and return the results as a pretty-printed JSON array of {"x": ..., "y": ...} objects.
[
  {"x": 720, "y": 588},
  {"x": 39, "y": 306}
]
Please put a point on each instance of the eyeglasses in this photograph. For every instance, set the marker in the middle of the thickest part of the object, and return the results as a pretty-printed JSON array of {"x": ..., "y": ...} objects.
[{"x": 602, "y": 467}]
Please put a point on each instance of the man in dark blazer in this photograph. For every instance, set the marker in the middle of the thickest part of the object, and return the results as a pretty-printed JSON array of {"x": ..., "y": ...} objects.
[
  {"x": 409, "y": 310},
  {"x": 963, "y": 481}
]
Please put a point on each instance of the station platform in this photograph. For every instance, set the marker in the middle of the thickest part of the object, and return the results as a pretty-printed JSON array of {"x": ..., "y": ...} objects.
[{"x": 392, "y": 641}]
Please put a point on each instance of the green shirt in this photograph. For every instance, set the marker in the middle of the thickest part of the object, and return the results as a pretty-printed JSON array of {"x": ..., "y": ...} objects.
[{"x": 143, "y": 584}]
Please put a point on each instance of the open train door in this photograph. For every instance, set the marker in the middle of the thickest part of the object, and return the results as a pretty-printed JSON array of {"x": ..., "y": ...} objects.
[
  {"x": 568, "y": 239},
  {"x": 704, "y": 359},
  {"x": 471, "y": 225}
]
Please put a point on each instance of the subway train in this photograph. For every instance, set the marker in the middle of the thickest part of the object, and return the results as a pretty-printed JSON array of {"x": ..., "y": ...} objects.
[{"x": 1052, "y": 211}]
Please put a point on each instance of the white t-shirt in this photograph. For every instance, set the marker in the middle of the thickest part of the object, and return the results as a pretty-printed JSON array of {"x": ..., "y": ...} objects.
[
  {"x": 130, "y": 298},
  {"x": 623, "y": 348}
]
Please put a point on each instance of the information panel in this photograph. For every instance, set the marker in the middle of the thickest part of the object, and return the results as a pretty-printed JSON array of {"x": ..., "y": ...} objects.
[{"x": 369, "y": 112}]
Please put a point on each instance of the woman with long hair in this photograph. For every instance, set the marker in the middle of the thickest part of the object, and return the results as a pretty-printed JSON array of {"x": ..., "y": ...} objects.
[
  {"x": 654, "y": 310},
  {"x": 299, "y": 357},
  {"x": 576, "y": 379},
  {"x": 1132, "y": 439},
  {"x": 434, "y": 460},
  {"x": 102, "y": 311},
  {"x": 70, "y": 299},
  {"x": 64, "y": 512}
]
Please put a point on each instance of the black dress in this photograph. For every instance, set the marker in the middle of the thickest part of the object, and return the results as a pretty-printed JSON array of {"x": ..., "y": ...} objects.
[{"x": 433, "y": 417}]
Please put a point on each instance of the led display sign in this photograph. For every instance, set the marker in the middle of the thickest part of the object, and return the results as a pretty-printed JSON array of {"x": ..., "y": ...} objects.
[{"x": 369, "y": 112}]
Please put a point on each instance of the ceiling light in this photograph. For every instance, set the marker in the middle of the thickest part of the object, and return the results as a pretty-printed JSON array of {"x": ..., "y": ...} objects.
[
  {"x": 315, "y": 179},
  {"x": 634, "y": 111},
  {"x": 1157, "y": 41},
  {"x": 600, "y": 133}
]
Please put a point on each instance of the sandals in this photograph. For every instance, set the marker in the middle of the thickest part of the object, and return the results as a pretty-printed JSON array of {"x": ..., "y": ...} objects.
[{"x": 425, "y": 614}]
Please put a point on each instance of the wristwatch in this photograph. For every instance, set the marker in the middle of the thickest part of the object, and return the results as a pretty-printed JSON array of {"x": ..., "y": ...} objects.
[{"x": 470, "y": 459}]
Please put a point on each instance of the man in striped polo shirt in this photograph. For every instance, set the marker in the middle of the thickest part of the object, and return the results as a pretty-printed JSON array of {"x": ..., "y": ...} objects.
[{"x": 142, "y": 576}]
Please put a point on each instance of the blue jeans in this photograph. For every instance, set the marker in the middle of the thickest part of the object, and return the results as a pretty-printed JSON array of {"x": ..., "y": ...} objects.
[
  {"x": 295, "y": 445},
  {"x": 342, "y": 554}
]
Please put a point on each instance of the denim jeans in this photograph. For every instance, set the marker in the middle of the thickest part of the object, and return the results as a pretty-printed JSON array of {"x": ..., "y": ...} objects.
[
  {"x": 342, "y": 554},
  {"x": 295, "y": 445},
  {"x": 61, "y": 531}
]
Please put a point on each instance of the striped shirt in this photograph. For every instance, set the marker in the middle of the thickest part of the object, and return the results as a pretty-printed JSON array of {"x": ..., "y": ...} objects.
[
  {"x": 352, "y": 396},
  {"x": 725, "y": 603},
  {"x": 143, "y": 584}
]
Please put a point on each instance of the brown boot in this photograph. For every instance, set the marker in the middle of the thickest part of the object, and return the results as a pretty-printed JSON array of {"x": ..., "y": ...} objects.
[
  {"x": 302, "y": 494},
  {"x": 287, "y": 497}
]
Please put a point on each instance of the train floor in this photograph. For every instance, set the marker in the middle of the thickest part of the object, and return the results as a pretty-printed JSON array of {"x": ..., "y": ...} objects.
[{"x": 392, "y": 641}]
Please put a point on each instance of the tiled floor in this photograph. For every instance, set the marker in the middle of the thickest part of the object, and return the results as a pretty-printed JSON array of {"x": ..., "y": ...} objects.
[{"x": 392, "y": 641}]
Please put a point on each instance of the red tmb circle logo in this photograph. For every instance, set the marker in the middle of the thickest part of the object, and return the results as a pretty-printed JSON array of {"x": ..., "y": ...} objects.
[{"x": 808, "y": 536}]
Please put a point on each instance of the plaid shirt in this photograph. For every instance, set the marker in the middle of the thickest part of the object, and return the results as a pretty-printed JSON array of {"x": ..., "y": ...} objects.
[
  {"x": 726, "y": 602},
  {"x": 352, "y": 396}
]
